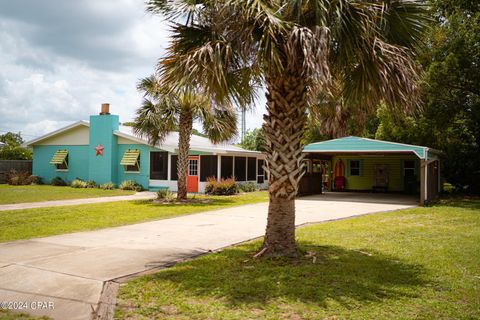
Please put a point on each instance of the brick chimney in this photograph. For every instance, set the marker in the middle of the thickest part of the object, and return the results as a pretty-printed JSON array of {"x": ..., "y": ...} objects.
[{"x": 105, "y": 109}]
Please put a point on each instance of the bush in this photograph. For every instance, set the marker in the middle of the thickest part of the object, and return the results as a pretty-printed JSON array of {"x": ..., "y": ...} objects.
[
  {"x": 91, "y": 184},
  {"x": 248, "y": 187},
  {"x": 107, "y": 186},
  {"x": 224, "y": 187},
  {"x": 36, "y": 180},
  {"x": 16, "y": 178},
  {"x": 57, "y": 181},
  {"x": 77, "y": 183},
  {"x": 165, "y": 194},
  {"x": 130, "y": 185}
]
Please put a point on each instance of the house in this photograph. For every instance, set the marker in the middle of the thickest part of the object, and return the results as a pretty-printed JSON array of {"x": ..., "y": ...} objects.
[
  {"x": 104, "y": 151},
  {"x": 361, "y": 164}
]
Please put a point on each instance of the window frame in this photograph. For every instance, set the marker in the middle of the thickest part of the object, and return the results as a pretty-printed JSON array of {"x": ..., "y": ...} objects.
[
  {"x": 413, "y": 168},
  {"x": 359, "y": 168},
  {"x": 136, "y": 165}
]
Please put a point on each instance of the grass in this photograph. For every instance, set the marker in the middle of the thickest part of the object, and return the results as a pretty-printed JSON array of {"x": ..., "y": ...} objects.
[
  {"x": 9, "y": 315},
  {"x": 421, "y": 263},
  {"x": 41, "y": 222},
  {"x": 35, "y": 193}
]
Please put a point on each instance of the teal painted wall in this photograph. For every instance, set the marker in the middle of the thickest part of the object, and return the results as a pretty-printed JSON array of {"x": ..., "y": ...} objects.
[
  {"x": 102, "y": 168},
  {"x": 77, "y": 163},
  {"x": 366, "y": 180},
  {"x": 142, "y": 177}
]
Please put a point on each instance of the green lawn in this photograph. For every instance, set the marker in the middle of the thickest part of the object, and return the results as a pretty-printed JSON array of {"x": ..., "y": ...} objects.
[
  {"x": 9, "y": 315},
  {"x": 21, "y": 194},
  {"x": 31, "y": 223},
  {"x": 421, "y": 263}
]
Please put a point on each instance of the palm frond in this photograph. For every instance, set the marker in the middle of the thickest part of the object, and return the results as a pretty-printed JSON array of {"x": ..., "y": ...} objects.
[
  {"x": 186, "y": 10},
  {"x": 220, "y": 125},
  {"x": 154, "y": 120}
]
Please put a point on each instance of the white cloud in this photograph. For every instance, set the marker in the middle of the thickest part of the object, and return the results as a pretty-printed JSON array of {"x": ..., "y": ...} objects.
[{"x": 60, "y": 60}]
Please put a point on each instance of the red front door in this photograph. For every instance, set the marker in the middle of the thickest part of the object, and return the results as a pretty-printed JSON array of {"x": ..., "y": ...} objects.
[{"x": 192, "y": 174}]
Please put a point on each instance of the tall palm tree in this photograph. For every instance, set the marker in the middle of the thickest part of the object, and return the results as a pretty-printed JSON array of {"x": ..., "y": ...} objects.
[
  {"x": 164, "y": 111},
  {"x": 293, "y": 47}
]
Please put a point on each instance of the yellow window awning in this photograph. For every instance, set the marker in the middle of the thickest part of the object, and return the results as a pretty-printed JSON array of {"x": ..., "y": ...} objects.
[
  {"x": 130, "y": 158},
  {"x": 59, "y": 157}
]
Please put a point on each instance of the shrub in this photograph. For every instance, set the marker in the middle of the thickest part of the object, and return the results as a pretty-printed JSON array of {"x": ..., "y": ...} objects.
[
  {"x": 165, "y": 194},
  {"x": 224, "y": 187},
  {"x": 77, "y": 183},
  {"x": 91, "y": 184},
  {"x": 57, "y": 181},
  {"x": 162, "y": 193},
  {"x": 16, "y": 178},
  {"x": 130, "y": 185},
  {"x": 36, "y": 180},
  {"x": 107, "y": 186},
  {"x": 248, "y": 187}
]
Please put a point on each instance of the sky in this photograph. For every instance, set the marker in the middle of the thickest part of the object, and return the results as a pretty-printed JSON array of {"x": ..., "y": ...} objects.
[{"x": 59, "y": 60}]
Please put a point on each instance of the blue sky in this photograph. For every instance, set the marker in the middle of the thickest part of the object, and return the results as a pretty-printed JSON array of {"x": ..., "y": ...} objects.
[{"x": 59, "y": 60}]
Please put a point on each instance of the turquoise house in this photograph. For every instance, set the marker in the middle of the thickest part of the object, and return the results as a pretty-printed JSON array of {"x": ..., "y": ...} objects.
[
  {"x": 104, "y": 151},
  {"x": 361, "y": 164}
]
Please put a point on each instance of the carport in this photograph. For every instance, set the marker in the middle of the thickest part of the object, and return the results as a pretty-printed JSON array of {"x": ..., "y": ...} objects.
[{"x": 362, "y": 164}]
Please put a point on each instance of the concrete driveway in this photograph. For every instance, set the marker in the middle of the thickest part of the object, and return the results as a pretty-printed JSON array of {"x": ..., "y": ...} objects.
[{"x": 65, "y": 274}]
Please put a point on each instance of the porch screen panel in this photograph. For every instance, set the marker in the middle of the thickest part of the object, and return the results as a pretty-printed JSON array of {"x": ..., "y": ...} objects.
[
  {"x": 240, "y": 168},
  {"x": 159, "y": 165},
  {"x": 252, "y": 169},
  {"x": 227, "y": 167},
  {"x": 208, "y": 167},
  {"x": 173, "y": 167},
  {"x": 260, "y": 172}
]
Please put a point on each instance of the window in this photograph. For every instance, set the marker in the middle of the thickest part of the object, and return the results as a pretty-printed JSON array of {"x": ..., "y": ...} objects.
[
  {"x": 252, "y": 169},
  {"x": 193, "y": 167},
  {"x": 159, "y": 165},
  {"x": 354, "y": 167},
  {"x": 240, "y": 168},
  {"x": 208, "y": 167},
  {"x": 409, "y": 168},
  {"x": 60, "y": 160},
  {"x": 131, "y": 160},
  {"x": 227, "y": 167},
  {"x": 316, "y": 166}
]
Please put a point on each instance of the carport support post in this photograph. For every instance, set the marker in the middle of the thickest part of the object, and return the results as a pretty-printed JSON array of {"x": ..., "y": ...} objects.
[{"x": 423, "y": 181}]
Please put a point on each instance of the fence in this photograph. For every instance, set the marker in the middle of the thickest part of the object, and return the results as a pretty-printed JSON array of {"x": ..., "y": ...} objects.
[{"x": 18, "y": 165}]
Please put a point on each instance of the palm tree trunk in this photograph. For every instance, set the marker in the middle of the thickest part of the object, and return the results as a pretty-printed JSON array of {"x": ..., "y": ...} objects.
[
  {"x": 185, "y": 130},
  {"x": 284, "y": 127}
]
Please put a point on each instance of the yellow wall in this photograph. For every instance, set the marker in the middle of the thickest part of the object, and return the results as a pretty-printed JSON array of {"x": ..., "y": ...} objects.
[{"x": 366, "y": 180}]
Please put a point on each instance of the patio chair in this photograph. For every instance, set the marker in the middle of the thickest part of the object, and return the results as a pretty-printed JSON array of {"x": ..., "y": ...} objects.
[{"x": 340, "y": 183}]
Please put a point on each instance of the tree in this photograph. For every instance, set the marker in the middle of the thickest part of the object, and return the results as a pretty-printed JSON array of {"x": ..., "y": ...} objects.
[
  {"x": 12, "y": 149},
  {"x": 294, "y": 47},
  {"x": 11, "y": 139},
  {"x": 253, "y": 140},
  {"x": 450, "y": 120},
  {"x": 163, "y": 111}
]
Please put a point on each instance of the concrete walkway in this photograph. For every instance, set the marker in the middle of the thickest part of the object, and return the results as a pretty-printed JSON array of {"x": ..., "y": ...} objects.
[
  {"x": 73, "y": 202},
  {"x": 69, "y": 271}
]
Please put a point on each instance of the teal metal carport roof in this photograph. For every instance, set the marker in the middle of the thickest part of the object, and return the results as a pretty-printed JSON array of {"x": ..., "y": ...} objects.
[{"x": 364, "y": 145}]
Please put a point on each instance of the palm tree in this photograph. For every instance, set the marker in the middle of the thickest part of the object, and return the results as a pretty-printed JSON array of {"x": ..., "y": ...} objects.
[
  {"x": 164, "y": 111},
  {"x": 332, "y": 117},
  {"x": 293, "y": 47}
]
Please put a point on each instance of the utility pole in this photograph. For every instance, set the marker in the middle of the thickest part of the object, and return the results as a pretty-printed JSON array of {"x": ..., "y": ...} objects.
[{"x": 244, "y": 123}]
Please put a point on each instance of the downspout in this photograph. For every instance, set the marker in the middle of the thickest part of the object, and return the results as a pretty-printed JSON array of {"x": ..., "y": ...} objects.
[{"x": 426, "y": 176}]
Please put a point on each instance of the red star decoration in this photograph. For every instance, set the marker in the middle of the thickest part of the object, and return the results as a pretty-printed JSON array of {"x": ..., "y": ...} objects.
[{"x": 99, "y": 150}]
